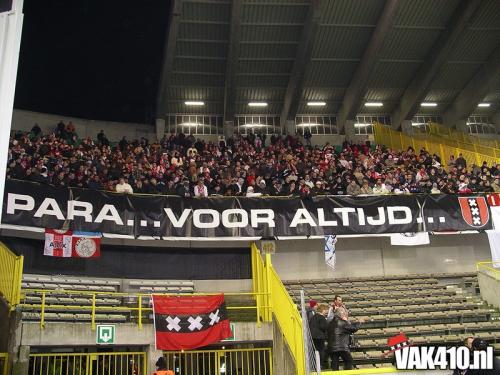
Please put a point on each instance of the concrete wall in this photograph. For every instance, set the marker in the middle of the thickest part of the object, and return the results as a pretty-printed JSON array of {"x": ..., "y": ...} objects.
[
  {"x": 24, "y": 120},
  {"x": 70, "y": 335},
  {"x": 372, "y": 256},
  {"x": 490, "y": 288}
]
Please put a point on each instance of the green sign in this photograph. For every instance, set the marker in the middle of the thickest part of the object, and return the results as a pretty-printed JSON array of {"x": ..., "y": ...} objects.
[
  {"x": 233, "y": 333},
  {"x": 105, "y": 334}
]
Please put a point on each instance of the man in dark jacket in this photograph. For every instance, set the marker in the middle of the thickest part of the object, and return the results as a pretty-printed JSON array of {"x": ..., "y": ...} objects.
[
  {"x": 339, "y": 330},
  {"x": 319, "y": 330}
]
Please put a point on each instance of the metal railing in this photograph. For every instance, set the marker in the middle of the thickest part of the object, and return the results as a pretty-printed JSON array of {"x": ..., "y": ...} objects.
[
  {"x": 136, "y": 306},
  {"x": 11, "y": 273},
  {"x": 253, "y": 361},
  {"x": 487, "y": 268},
  {"x": 444, "y": 131},
  {"x": 4, "y": 363},
  {"x": 473, "y": 154},
  {"x": 116, "y": 363}
]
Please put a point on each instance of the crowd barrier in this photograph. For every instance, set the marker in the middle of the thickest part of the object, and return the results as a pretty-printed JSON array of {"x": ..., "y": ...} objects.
[
  {"x": 11, "y": 273},
  {"x": 487, "y": 268},
  {"x": 4, "y": 363},
  {"x": 135, "y": 306},
  {"x": 472, "y": 153},
  {"x": 116, "y": 363},
  {"x": 281, "y": 306},
  {"x": 444, "y": 131},
  {"x": 253, "y": 361}
]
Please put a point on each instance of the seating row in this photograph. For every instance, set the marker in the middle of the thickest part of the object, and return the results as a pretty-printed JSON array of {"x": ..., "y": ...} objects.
[{"x": 51, "y": 316}]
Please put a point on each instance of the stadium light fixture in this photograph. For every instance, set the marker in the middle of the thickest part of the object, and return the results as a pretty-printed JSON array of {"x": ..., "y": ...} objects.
[
  {"x": 190, "y": 124},
  {"x": 194, "y": 102},
  {"x": 316, "y": 104},
  {"x": 254, "y": 125},
  {"x": 428, "y": 104},
  {"x": 374, "y": 104},
  {"x": 483, "y": 104},
  {"x": 257, "y": 104},
  {"x": 308, "y": 124}
]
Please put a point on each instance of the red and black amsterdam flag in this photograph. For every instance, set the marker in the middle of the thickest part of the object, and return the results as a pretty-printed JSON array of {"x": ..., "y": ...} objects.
[{"x": 189, "y": 322}]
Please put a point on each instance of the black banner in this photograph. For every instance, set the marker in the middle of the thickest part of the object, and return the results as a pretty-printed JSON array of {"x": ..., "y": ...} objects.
[{"x": 142, "y": 216}]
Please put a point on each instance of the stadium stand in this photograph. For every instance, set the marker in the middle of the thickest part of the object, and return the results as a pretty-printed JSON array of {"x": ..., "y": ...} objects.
[
  {"x": 431, "y": 309},
  {"x": 181, "y": 165}
]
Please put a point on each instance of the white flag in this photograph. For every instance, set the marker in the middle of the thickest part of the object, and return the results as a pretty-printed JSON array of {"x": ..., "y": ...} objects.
[
  {"x": 494, "y": 238},
  {"x": 410, "y": 239},
  {"x": 330, "y": 256}
]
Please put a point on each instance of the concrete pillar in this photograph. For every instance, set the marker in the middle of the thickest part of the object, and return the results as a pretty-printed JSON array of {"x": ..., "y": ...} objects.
[
  {"x": 349, "y": 131},
  {"x": 11, "y": 24},
  {"x": 160, "y": 128},
  {"x": 290, "y": 127},
  {"x": 496, "y": 121},
  {"x": 229, "y": 129},
  {"x": 20, "y": 365},
  {"x": 152, "y": 357},
  {"x": 461, "y": 126},
  {"x": 407, "y": 127}
]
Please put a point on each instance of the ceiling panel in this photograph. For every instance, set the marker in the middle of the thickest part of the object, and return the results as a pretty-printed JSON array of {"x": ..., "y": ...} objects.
[
  {"x": 455, "y": 75},
  {"x": 408, "y": 44},
  {"x": 260, "y": 94},
  {"x": 336, "y": 74},
  {"x": 264, "y": 66},
  {"x": 206, "y": 11},
  {"x": 352, "y": 12},
  {"x": 256, "y": 13},
  {"x": 341, "y": 42},
  {"x": 271, "y": 33},
  {"x": 488, "y": 15},
  {"x": 203, "y": 31},
  {"x": 476, "y": 45},
  {"x": 430, "y": 13},
  {"x": 389, "y": 74},
  {"x": 199, "y": 48}
]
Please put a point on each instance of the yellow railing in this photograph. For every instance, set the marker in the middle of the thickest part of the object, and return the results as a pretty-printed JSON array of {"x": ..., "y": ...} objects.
[
  {"x": 487, "y": 268},
  {"x": 255, "y": 361},
  {"x": 123, "y": 363},
  {"x": 444, "y": 131},
  {"x": 11, "y": 273},
  {"x": 396, "y": 140},
  {"x": 4, "y": 363},
  {"x": 130, "y": 303},
  {"x": 281, "y": 306},
  {"x": 362, "y": 371}
]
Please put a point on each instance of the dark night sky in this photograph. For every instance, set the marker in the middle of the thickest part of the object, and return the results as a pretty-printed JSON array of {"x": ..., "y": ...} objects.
[{"x": 96, "y": 59}]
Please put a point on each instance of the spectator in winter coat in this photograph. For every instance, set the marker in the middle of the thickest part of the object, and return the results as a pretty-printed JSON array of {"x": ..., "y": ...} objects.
[
  {"x": 339, "y": 330},
  {"x": 319, "y": 332}
]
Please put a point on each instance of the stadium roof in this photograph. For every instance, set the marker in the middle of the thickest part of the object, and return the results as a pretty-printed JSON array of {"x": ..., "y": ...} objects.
[{"x": 342, "y": 52}]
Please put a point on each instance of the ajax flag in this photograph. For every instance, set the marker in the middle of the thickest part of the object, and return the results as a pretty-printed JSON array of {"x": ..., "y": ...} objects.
[{"x": 330, "y": 256}]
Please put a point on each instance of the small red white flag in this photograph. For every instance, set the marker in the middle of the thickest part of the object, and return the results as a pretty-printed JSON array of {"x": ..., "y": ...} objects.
[
  {"x": 67, "y": 244},
  {"x": 58, "y": 243}
]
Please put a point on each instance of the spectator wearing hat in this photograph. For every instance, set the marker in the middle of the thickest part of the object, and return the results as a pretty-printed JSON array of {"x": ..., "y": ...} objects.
[{"x": 311, "y": 309}]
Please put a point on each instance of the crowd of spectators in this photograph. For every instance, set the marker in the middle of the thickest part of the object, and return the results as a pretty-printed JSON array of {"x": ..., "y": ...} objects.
[{"x": 254, "y": 165}]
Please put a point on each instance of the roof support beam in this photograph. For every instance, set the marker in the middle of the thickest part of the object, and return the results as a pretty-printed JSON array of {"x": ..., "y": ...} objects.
[
  {"x": 232, "y": 61},
  {"x": 168, "y": 57},
  {"x": 357, "y": 87},
  {"x": 304, "y": 50},
  {"x": 435, "y": 59},
  {"x": 478, "y": 87}
]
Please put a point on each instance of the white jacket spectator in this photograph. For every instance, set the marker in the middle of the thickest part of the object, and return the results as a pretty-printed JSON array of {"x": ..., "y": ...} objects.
[
  {"x": 124, "y": 187},
  {"x": 200, "y": 190}
]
